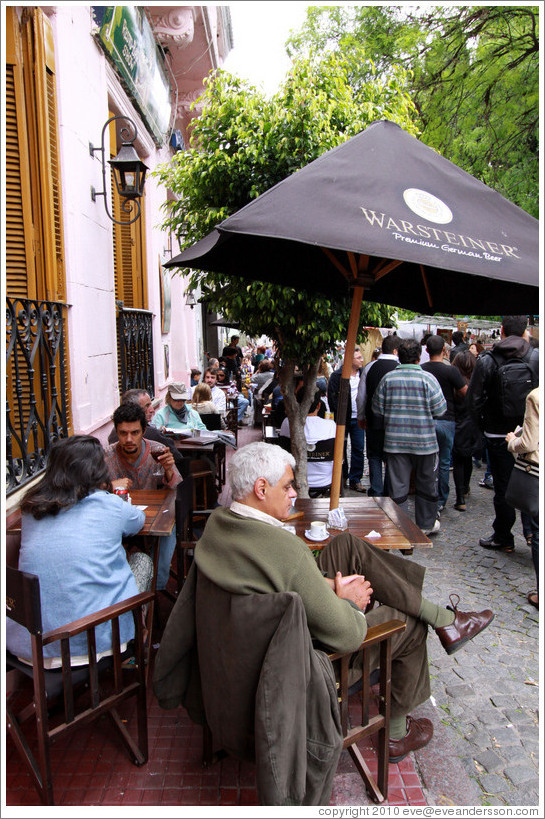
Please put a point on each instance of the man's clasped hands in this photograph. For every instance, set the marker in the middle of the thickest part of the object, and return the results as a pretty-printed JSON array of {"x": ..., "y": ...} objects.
[{"x": 352, "y": 587}]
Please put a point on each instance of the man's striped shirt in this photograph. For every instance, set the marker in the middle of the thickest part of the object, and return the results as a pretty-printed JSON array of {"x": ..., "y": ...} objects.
[{"x": 409, "y": 399}]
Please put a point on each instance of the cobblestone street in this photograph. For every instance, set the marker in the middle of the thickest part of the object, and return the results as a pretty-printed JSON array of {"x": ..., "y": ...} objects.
[{"x": 486, "y": 696}]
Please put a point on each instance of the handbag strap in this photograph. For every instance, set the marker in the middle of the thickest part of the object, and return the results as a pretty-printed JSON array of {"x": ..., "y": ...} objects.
[{"x": 527, "y": 466}]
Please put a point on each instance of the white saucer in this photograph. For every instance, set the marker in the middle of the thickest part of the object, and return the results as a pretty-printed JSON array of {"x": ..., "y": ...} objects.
[{"x": 315, "y": 539}]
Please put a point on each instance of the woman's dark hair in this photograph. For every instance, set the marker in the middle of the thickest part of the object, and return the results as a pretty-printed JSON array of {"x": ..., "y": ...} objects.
[
  {"x": 465, "y": 362},
  {"x": 264, "y": 366},
  {"x": 75, "y": 468}
]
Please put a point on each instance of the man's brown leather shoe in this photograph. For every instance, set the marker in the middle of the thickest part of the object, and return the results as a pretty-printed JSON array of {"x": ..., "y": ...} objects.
[
  {"x": 466, "y": 625},
  {"x": 419, "y": 733}
]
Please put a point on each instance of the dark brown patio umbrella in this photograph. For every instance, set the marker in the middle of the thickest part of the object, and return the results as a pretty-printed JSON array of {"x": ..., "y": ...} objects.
[
  {"x": 392, "y": 220},
  {"x": 221, "y": 322}
]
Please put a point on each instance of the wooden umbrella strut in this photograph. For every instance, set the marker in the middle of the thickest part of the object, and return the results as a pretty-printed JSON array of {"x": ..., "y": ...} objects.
[{"x": 344, "y": 390}]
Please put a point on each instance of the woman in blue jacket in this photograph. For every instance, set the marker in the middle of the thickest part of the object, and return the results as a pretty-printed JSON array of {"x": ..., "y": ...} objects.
[{"x": 71, "y": 538}]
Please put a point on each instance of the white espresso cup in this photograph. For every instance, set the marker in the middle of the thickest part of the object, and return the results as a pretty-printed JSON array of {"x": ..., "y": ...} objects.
[{"x": 317, "y": 529}]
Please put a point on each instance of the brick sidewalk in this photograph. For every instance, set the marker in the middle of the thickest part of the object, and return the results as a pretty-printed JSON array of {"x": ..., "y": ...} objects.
[{"x": 91, "y": 768}]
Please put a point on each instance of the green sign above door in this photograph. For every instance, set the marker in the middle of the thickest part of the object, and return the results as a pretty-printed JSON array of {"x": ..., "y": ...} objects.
[{"x": 127, "y": 39}]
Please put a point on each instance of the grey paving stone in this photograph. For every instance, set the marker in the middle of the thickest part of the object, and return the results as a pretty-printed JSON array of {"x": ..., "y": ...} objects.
[
  {"x": 531, "y": 746},
  {"x": 493, "y": 784},
  {"x": 505, "y": 737},
  {"x": 521, "y": 718},
  {"x": 490, "y": 760},
  {"x": 519, "y": 756},
  {"x": 481, "y": 739},
  {"x": 493, "y": 718},
  {"x": 460, "y": 690},
  {"x": 502, "y": 700},
  {"x": 519, "y": 774},
  {"x": 494, "y": 800},
  {"x": 524, "y": 796}
]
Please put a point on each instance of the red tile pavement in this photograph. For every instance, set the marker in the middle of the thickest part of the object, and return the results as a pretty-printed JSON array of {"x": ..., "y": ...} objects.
[{"x": 90, "y": 767}]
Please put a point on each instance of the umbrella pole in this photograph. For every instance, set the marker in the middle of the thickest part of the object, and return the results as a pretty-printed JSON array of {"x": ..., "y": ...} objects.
[{"x": 344, "y": 395}]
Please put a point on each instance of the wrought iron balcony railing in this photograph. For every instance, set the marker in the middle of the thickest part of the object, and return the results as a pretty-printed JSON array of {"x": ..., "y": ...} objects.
[
  {"x": 135, "y": 349},
  {"x": 36, "y": 393},
  {"x": 37, "y": 389}
]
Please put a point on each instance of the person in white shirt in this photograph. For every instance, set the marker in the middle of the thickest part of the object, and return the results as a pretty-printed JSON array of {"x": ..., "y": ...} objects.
[
  {"x": 319, "y": 473},
  {"x": 424, "y": 355},
  {"x": 218, "y": 396},
  {"x": 352, "y": 428}
]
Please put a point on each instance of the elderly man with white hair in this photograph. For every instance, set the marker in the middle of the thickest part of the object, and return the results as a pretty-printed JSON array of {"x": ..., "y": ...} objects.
[{"x": 245, "y": 549}]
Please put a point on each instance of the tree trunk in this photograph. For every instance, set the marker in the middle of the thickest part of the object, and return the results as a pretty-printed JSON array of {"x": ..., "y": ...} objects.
[{"x": 297, "y": 414}]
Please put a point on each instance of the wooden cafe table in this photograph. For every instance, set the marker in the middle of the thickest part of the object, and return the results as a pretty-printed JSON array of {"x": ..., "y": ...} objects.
[
  {"x": 160, "y": 512},
  {"x": 364, "y": 515}
]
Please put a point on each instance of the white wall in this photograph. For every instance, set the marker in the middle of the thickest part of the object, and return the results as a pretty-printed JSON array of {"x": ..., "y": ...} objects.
[{"x": 85, "y": 85}]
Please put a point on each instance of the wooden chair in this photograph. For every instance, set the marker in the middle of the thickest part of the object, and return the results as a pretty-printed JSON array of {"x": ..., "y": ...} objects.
[
  {"x": 320, "y": 452},
  {"x": 235, "y": 622},
  {"x": 231, "y": 418},
  {"x": 205, "y": 485},
  {"x": 211, "y": 420},
  {"x": 86, "y": 692},
  {"x": 189, "y": 522},
  {"x": 184, "y": 519},
  {"x": 377, "y": 788}
]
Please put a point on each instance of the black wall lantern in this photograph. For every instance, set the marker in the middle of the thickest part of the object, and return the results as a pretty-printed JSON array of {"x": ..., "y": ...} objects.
[{"x": 129, "y": 171}]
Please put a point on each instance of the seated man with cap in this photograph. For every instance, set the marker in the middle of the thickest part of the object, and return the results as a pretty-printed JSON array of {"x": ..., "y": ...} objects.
[{"x": 177, "y": 414}]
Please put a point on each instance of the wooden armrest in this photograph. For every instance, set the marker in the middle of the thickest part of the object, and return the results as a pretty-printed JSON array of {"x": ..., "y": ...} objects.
[
  {"x": 202, "y": 473},
  {"x": 98, "y": 617},
  {"x": 375, "y": 634},
  {"x": 186, "y": 544}
]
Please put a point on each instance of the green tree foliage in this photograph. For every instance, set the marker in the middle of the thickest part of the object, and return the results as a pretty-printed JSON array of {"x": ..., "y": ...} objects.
[
  {"x": 475, "y": 79},
  {"x": 241, "y": 145}
]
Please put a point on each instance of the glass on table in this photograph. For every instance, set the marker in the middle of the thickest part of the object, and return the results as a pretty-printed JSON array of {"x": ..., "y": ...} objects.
[{"x": 158, "y": 470}]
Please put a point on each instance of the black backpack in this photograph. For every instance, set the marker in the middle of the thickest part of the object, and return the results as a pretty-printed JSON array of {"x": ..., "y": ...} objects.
[{"x": 513, "y": 380}]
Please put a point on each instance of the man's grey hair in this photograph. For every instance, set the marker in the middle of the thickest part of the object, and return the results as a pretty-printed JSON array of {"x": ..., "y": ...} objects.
[
  {"x": 253, "y": 461},
  {"x": 133, "y": 396}
]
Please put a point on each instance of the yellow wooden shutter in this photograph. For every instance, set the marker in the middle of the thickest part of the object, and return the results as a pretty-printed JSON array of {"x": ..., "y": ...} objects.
[
  {"x": 129, "y": 246},
  {"x": 129, "y": 256},
  {"x": 44, "y": 136},
  {"x": 125, "y": 255},
  {"x": 20, "y": 268}
]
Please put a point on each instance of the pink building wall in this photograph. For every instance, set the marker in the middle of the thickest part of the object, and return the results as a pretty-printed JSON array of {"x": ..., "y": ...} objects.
[{"x": 87, "y": 86}]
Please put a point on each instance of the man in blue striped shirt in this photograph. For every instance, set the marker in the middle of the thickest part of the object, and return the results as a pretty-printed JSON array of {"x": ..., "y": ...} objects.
[{"x": 410, "y": 400}]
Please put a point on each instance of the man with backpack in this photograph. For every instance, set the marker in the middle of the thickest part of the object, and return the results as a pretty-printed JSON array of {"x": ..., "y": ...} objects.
[{"x": 501, "y": 380}]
